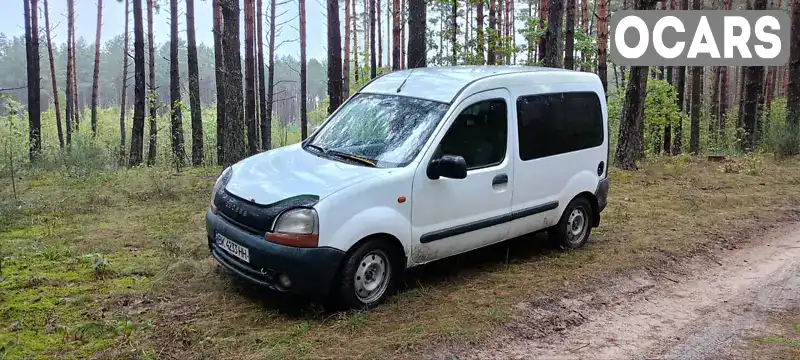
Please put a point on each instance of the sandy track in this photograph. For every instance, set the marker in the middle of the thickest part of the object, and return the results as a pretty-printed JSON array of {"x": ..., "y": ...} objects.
[{"x": 704, "y": 310}]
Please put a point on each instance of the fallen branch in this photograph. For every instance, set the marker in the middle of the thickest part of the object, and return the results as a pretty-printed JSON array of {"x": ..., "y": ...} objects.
[{"x": 14, "y": 88}]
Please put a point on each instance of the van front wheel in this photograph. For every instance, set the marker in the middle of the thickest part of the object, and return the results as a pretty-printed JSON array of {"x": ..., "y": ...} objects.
[
  {"x": 575, "y": 225},
  {"x": 367, "y": 276}
]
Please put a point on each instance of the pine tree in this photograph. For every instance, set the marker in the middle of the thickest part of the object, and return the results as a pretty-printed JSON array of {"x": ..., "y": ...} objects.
[
  {"x": 235, "y": 141},
  {"x": 151, "y": 92},
  {"x": 417, "y": 44},
  {"x": 793, "y": 83},
  {"x": 194, "y": 86},
  {"x": 176, "y": 116},
  {"x": 96, "y": 72},
  {"x": 303, "y": 73},
  {"x": 124, "y": 89},
  {"x": 250, "y": 77},
  {"x": 137, "y": 131},
  {"x": 31, "y": 12},
  {"x": 266, "y": 131},
  {"x": 53, "y": 81},
  {"x": 334, "y": 57}
]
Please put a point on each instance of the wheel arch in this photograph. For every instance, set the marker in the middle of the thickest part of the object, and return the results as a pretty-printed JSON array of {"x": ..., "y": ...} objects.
[{"x": 594, "y": 204}]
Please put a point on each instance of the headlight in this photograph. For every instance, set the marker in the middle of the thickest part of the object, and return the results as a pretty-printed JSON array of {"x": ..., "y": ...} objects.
[
  {"x": 222, "y": 180},
  {"x": 296, "y": 227}
]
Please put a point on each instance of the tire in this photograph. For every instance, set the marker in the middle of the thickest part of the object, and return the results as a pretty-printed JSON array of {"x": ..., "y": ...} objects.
[
  {"x": 367, "y": 276},
  {"x": 575, "y": 225}
]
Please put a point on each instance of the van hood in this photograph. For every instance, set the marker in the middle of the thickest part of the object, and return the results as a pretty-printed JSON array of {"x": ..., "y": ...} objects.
[{"x": 291, "y": 171}]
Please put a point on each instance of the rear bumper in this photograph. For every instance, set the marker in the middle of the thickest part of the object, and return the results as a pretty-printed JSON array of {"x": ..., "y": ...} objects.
[
  {"x": 311, "y": 270},
  {"x": 602, "y": 194}
]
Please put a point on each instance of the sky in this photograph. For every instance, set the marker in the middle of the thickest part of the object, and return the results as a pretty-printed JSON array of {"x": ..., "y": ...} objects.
[{"x": 12, "y": 22}]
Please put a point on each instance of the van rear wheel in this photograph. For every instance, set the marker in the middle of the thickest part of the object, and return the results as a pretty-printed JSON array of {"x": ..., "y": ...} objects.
[
  {"x": 575, "y": 226},
  {"x": 367, "y": 276}
]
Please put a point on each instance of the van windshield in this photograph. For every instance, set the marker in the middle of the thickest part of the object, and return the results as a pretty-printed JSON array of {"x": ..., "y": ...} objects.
[{"x": 378, "y": 130}]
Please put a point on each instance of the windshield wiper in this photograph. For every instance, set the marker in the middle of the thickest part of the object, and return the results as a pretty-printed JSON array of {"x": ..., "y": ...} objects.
[
  {"x": 317, "y": 147},
  {"x": 351, "y": 157}
]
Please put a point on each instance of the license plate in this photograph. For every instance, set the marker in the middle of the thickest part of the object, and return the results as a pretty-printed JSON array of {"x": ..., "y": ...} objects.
[{"x": 233, "y": 248}]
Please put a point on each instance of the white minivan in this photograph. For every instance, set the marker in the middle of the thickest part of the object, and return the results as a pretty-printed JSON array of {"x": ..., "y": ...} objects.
[{"x": 418, "y": 165}]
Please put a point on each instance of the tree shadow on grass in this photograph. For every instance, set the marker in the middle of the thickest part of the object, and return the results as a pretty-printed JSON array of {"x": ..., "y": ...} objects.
[{"x": 442, "y": 272}]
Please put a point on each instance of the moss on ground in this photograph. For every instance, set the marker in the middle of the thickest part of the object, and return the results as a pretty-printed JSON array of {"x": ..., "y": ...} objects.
[{"x": 115, "y": 265}]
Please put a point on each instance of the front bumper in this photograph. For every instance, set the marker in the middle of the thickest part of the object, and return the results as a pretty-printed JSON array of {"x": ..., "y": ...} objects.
[{"x": 311, "y": 270}]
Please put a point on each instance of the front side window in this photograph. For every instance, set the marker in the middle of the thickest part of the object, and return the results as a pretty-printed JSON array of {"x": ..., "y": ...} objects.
[
  {"x": 551, "y": 124},
  {"x": 479, "y": 134},
  {"x": 379, "y": 130}
]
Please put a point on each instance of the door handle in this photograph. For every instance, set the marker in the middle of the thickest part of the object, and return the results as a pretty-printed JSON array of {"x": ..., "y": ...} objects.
[{"x": 500, "y": 179}]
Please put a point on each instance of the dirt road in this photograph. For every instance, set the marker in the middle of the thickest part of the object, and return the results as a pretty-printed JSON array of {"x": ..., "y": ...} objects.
[{"x": 707, "y": 308}]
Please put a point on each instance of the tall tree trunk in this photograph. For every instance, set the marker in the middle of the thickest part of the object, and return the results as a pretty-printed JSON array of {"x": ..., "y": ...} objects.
[
  {"x": 569, "y": 46},
  {"x": 250, "y": 77},
  {"x": 151, "y": 148},
  {"x": 769, "y": 88},
  {"x": 491, "y": 56},
  {"x": 544, "y": 9},
  {"x": 512, "y": 17},
  {"x": 454, "y": 31},
  {"x": 53, "y": 81},
  {"x": 69, "y": 104},
  {"x": 334, "y": 57},
  {"x": 500, "y": 26},
  {"x": 417, "y": 45},
  {"x": 219, "y": 76},
  {"x": 378, "y": 30},
  {"x": 96, "y": 73},
  {"x": 630, "y": 136},
  {"x": 723, "y": 91},
  {"x": 75, "y": 95},
  {"x": 713, "y": 123},
  {"x": 373, "y": 58},
  {"x": 548, "y": 46},
  {"x": 31, "y": 12},
  {"x": 356, "y": 68},
  {"x": 123, "y": 93},
  {"x": 585, "y": 27},
  {"x": 793, "y": 83},
  {"x": 303, "y": 74},
  {"x": 667, "y": 143},
  {"x": 137, "y": 131},
  {"x": 723, "y": 103},
  {"x": 262, "y": 86},
  {"x": 480, "y": 33},
  {"x": 396, "y": 61},
  {"x": 697, "y": 85},
  {"x": 367, "y": 42},
  {"x": 194, "y": 86},
  {"x": 389, "y": 33},
  {"x": 346, "y": 62},
  {"x": 176, "y": 117},
  {"x": 231, "y": 49},
  {"x": 754, "y": 78},
  {"x": 631, "y": 127},
  {"x": 602, "y": 42},
  {"x": 266, "y": 136},
  {"x": 403, "y": 44}
]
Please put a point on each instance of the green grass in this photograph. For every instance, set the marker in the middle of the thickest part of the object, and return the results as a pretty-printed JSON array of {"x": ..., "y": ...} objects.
[
  {"x": 114, "y": 264},
  {"x": 780, "y": 341}
]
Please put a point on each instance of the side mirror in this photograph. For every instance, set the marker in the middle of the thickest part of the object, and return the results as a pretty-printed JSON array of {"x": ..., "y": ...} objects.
[{"x": 449, "y": 166}]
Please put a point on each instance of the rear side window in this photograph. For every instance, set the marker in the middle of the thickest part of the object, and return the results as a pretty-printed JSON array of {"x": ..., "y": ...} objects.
[{"x": 552, "y": 124}]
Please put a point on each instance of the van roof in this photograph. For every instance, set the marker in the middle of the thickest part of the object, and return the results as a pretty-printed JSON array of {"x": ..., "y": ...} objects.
[{"x": 443, "y": 84}]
